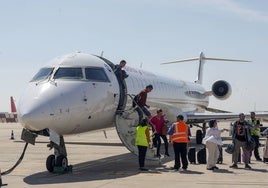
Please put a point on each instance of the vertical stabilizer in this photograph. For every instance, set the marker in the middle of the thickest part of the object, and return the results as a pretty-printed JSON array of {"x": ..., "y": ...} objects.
[{"x": 13, "y": 106}]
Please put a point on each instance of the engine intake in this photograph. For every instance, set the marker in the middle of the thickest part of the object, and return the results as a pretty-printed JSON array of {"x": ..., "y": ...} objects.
[{"x": 221, "y": 89}]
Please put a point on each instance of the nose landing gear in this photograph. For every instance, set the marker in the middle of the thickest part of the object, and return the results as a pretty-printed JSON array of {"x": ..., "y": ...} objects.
[{"x": 58, "y": 163}]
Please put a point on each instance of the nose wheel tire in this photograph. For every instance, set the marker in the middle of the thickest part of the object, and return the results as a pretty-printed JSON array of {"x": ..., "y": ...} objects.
[
  {"x": 50, "y": 163},
  {"x": 62, "y": 161}
]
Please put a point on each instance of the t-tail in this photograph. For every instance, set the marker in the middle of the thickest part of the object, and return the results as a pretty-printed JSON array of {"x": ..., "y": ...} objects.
[{"x": 202, "y": 60}]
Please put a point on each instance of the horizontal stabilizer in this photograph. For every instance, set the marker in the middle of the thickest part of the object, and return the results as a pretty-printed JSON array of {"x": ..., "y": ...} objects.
[{"x": 202, "y": 60}]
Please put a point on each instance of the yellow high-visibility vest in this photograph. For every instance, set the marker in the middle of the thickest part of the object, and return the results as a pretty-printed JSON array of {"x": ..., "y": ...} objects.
[{"x": 141, "y": 139}]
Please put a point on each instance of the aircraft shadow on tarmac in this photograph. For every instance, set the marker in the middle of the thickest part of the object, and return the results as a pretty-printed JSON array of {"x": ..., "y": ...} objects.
[
  {"x": 119, "y": 166},
  {"x": 113, "y": 167}
]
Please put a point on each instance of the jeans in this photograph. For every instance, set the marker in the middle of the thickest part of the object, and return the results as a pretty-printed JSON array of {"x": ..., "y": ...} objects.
[
  {"x": 157, "y": 143},
  {"x": 142, "y": 110}
]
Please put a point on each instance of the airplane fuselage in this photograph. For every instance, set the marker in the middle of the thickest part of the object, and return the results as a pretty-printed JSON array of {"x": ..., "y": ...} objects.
[{"x": 79, "y": 92}]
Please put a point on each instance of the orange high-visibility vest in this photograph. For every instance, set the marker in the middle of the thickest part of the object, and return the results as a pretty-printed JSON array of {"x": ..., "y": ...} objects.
[{"x": 180, "y": 134}]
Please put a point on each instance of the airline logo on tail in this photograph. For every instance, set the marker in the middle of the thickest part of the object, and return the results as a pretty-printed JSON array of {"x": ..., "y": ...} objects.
[
  {"x": 6, "y": 117},
  {"x": 13, "y": 106}
]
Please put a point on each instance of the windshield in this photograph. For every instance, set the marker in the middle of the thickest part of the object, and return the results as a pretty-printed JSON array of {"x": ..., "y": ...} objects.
[
  {"x": 96, "y": 74},
  {"x": 42, "y": 74},
  {"x": 68, "y": 73}
]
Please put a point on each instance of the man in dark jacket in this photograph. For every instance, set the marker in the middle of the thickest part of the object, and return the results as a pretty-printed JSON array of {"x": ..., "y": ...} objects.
[
  {"x": 141, "y": 101},
  {"x": 121, "y": 75},
  {"x": 241, "y": 133}
]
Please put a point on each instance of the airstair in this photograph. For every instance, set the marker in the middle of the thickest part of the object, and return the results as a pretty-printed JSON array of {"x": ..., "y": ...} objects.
[{"x": 126, "y": 122}]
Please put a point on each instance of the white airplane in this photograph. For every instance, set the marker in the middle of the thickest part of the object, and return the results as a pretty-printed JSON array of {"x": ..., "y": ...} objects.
[{"x": 79, "y": 92}]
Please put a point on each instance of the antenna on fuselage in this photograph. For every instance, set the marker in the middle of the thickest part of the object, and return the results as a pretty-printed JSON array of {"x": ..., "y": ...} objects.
[
  {"x": 102, "y": 53},
  {"x": 202, "y": 60}
]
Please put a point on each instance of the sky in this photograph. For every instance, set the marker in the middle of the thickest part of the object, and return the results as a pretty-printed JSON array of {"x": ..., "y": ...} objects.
[{"x": 145, "y": 33}]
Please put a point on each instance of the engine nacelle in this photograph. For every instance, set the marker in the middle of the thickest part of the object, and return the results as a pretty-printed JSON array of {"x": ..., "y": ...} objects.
[{"x": 221, "y": 89}]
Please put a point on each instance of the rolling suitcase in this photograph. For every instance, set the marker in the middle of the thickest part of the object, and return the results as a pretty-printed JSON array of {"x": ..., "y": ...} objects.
[
  {"x": 191, "y": 155},
  {"x": 265, "y": 152},
  {"x": 201, "y": 156},
  {"x": 199, "y": 137}
]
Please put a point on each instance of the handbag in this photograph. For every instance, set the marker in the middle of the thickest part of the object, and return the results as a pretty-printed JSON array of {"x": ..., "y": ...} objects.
[
  {"x": 230, "y": 148},
  {"x": 164, "y": 130},
  {"x": 250, "y": 144}
]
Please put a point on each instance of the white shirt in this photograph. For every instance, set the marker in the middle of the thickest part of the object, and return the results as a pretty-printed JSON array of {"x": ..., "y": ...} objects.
[{"x": 213, "y": 135}]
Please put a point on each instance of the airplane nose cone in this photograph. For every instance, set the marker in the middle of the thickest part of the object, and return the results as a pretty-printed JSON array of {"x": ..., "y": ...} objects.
[
  {"x": 35, "y": 116},
  {"x": 34, "y": 111}
]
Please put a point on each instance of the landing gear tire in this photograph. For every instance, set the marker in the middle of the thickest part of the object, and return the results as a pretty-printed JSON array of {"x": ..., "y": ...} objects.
[
  {"x": 62, "y": 161},
  {"x": 50, "y": 163}
]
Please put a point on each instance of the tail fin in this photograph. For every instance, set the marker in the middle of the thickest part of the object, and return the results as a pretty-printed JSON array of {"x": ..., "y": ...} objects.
[
  {"x": 201, "y": 60},
  {"x": 13, "y": 106}
]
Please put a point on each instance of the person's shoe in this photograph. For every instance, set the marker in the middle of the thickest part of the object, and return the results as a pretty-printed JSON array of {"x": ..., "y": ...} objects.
[
  {"x": 166, "y": 154},
  {"x": 258, "y": 159},
  {"x": 215, "y": 168},
  {"x": 234, "y": 166},
  {"x": 143, "y": 169},
  {"x": 183, "y": 170},
  {"x": 212, "y": 168},
  {"x": 175, "y": 169},
  {"x": 247, "y": 166},
  {"x": 157, "y": 156},
  {"x": 219, "y": 161}
]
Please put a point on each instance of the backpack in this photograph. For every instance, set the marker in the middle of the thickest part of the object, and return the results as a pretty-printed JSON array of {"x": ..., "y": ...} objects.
[{"x": 135, "y": 100}]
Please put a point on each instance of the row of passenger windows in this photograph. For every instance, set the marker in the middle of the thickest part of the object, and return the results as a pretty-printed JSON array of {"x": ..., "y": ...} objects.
[
  {"x": 91, "y": 73},
  {"x": 168, "y": 88}
]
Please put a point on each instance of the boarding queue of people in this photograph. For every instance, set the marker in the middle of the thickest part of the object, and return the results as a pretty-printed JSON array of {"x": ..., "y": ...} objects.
[
  {"x": 179, "y": 137},
  {"x": 245, "y": 134}
]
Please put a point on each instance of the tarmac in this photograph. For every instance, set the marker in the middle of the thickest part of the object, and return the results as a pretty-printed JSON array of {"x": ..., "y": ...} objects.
[{"x": 100, "y": 160}]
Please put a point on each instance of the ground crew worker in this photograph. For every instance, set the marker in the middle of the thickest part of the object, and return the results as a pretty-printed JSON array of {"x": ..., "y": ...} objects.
[
  {"x": 142, "y": 141},
  {"x": 255, "y": 133},
  {"x": 179, "y": 139}
]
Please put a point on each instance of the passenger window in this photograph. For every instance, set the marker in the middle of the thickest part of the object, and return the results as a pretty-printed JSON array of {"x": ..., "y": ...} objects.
[
  {"x": 42, "y": 74},
  {"x": 68, "y": 73},
  {"x": 96, "y": 74}
]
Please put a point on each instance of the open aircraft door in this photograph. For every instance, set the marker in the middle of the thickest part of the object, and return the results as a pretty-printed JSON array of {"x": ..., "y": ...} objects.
[{"x": 126, "y": 122}]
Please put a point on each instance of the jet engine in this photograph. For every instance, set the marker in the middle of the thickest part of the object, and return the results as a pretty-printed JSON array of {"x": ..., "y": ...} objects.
[{"x": 221, "y": 89}]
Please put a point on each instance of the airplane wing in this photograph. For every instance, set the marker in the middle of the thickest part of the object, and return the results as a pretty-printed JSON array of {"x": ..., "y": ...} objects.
[{"x": 205, "y": 117}]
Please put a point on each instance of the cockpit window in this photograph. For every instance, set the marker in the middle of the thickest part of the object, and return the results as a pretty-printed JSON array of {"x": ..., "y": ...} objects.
[
  {"x": 68, "y": 73},
  {"x": 42, "y": 74},
  {"x": 96, "y": 74}
]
